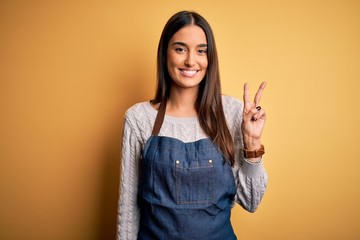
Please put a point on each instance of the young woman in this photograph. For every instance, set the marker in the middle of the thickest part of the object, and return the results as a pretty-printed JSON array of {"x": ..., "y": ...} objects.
[{"x": 189, "y": 153}]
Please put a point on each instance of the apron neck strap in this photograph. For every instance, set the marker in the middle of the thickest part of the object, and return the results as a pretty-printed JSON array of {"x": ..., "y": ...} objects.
[{"x": 159, "y": 118}]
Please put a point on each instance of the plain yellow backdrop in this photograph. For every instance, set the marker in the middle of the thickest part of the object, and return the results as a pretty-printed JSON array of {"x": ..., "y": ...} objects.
[{"x": 70, "y": 69}]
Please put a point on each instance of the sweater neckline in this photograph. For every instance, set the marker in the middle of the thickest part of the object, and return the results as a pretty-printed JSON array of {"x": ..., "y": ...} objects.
[{"x": 153, "y": 112}]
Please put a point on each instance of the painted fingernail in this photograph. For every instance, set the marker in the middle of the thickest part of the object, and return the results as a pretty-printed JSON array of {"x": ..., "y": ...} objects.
[
  {"x": 258, "y": 108},
  {"x": 253, "y": 118}
]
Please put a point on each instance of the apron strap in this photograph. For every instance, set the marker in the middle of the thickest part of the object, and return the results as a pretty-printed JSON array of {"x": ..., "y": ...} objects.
[{"x": 159, "y": 119}]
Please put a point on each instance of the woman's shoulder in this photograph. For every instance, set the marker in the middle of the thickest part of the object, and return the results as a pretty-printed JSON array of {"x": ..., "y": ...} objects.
[
  {"x": 139, "y": 109},
  {"x": 233, "y": 108},
  {"x": 140, "y": 112},
  {"x": 140, "y": 117},
  {"x": 231, "y": 104}
]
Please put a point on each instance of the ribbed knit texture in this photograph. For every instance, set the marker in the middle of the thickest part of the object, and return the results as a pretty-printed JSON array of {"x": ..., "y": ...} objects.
[{"x": 251, "y": 179}]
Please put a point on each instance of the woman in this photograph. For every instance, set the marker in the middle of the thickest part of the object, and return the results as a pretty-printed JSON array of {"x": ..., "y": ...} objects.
[{"x": 189, "y": 153}]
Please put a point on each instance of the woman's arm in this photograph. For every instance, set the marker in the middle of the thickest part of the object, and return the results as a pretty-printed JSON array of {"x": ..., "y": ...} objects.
[
  {"x": 246, "y": 123},
  {"x": 251, "y": 178},
  {"x": 128, "y": 212}
]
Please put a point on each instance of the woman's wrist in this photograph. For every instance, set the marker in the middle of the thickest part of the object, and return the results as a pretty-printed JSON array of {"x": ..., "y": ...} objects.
[
  {"x": 252, "y": 144},
  {"x": 253, "y": 150}
]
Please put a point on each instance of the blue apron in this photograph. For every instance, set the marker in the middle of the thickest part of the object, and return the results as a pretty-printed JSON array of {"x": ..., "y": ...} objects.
[{"x": 185, "y": 190}]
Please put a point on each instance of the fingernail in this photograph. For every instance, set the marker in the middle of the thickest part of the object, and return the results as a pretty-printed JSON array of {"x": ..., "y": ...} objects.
[
  {"x": 253, "y": 118},
  {"x": 258, "y": 108}
]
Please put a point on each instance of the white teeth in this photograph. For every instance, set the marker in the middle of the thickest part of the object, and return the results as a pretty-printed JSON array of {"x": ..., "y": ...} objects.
[{"x": 189, "y": 73}]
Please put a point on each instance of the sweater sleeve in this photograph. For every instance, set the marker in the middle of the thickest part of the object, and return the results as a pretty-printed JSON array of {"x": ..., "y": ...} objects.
[
  {"x": 128, "y": 211},
  {"x": 251, "y": 181}
]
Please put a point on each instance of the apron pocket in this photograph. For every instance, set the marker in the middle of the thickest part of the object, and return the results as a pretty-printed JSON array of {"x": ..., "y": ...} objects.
[{"x": 194, "y": 181}]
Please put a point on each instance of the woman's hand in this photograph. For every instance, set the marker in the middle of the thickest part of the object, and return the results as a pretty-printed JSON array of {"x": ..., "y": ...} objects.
[{"x": 254, "y": 118}]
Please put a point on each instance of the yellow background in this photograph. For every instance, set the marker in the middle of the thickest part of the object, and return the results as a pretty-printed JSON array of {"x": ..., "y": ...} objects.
[{"x": 70, "y": 69}]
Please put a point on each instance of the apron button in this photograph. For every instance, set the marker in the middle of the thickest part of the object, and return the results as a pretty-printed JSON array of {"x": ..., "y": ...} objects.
[
  {"x": 177, "y": 161},
  {"x": 210, "y": 161}
]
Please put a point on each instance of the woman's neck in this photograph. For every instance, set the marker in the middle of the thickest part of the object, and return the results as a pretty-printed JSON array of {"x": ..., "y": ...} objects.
[{"x": 182, "y": 102}]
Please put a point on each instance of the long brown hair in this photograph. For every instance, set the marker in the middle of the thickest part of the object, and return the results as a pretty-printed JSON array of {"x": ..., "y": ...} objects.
[{"x": 209, "y": 104}]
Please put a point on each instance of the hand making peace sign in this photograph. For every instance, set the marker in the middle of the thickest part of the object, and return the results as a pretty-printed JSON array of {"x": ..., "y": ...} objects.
[{"x": 254, "y": 118}]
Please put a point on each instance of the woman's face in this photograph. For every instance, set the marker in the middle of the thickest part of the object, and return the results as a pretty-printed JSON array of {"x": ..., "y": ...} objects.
[{"x": 187, "y": 57}]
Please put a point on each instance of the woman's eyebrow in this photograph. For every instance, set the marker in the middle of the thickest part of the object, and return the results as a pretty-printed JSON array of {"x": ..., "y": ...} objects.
[
  {"x": 180, "y": 43},
  {"x": 185, "y": 45}
]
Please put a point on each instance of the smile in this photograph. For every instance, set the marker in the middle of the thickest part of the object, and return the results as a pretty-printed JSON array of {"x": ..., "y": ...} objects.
[{"x": 188, "y": 72}]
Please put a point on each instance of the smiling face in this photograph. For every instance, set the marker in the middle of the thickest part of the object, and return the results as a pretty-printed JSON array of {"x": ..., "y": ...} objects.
[{"x": 187, "y": 60}]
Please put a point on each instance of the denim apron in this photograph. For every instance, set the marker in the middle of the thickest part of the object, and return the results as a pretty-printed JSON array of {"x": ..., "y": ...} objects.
[{"x": 185, "y": 189}]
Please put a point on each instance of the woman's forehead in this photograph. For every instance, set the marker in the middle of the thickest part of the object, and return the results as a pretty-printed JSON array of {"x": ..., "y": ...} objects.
[{"x": 189, "y": 35}]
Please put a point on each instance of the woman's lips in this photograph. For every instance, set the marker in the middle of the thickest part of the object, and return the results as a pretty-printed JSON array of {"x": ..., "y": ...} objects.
[{"x": 188, "y": 72}]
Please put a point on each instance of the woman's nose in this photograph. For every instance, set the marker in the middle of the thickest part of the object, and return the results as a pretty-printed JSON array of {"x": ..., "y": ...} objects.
[{"x": 190, "y": 60}]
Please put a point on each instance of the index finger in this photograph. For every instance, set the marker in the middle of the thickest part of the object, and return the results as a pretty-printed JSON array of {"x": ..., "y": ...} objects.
[{"x": 259, "y": 93}]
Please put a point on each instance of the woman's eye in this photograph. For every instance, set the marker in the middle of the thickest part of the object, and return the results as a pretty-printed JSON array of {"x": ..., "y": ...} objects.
[
  {"x": 180, "y": 50},
  {"x": 202, "y": 51}
]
